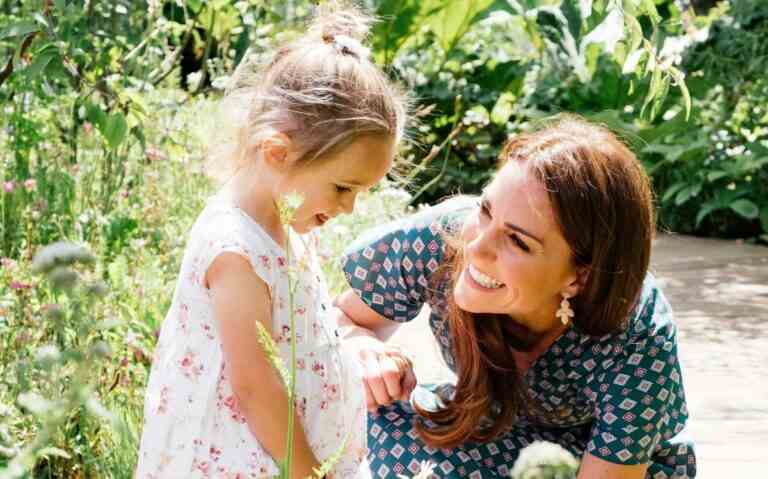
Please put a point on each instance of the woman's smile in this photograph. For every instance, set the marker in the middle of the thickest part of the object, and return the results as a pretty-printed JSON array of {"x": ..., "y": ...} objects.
[{"x": 480, "y": 280}]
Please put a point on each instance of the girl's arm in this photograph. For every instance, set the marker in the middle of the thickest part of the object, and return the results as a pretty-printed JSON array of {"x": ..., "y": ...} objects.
[
  {"x": 240, "y": 297},
  {"x": 595, "y": 468},
  {"x": 387, "y": 374}
]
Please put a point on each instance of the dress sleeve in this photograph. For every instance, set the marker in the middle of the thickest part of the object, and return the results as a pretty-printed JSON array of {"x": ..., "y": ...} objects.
[
  {"x": 640, "y": 401},
  {"x": 231, "y": 232},
  {"x": 390, "y": 267}
]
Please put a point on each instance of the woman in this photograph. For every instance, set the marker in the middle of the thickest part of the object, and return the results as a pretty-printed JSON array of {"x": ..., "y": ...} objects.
[{"x": 542, "y": 304}]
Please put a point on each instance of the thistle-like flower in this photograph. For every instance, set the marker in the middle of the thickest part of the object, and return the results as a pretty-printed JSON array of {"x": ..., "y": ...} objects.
[
  {"x": 426, "y": 469},
  {"x": 545, "y": 460},
  {"x": 60, "y": 254}
]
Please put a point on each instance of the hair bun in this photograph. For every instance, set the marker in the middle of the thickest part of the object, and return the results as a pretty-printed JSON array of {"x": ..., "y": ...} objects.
[{"x": 338, "y": 19}]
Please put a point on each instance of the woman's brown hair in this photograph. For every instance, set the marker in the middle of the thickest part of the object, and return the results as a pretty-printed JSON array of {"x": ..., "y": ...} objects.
[{"x": 603, "y": 203}]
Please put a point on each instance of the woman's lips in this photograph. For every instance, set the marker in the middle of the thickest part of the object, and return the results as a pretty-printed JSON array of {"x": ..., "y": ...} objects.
[{"x": 321, "y": 219}]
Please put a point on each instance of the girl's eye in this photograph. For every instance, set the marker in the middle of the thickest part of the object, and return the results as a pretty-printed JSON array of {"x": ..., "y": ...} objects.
[
  {"x": 484, "y": 209},
  {"x": 519, "y": 243},
  {"x": 342, "y": 189}
]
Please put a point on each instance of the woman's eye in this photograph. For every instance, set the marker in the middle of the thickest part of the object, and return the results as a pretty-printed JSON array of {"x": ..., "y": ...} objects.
[
  {"x": 342, "y": 189},
  {"x": 519, "y": 243}
]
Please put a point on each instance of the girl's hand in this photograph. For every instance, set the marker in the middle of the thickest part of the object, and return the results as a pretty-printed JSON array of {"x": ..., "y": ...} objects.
[{"x": 387, "y": 372}]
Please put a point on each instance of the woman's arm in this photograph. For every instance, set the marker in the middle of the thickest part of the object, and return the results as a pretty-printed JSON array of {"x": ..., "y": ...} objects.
[
  {"x": 387, "y": 374},
  {"x": 240, "y": 297},
  {"x": 594, "y": 468}
]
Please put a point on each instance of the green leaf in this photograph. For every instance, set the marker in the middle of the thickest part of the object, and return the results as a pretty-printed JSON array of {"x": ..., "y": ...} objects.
[
  {"x": 687, "y": 193},
  {"x": 503, "y": 108},
  {"x": 39, "y": 63},
  {"x": 633, "y": 60},
  {"x": 19, "y": 29},
  {"x": 53, "y": 451},
  {"x": 679, "y": 78},
  {"x": 705, "y": 210},
  {"x": 764, "y": 219},
  {"x": 451, "y": 22},
  {"x": 716, "y": 175},
  {"x": 670, "y": 192},
  {"x": 745, "y": 209},
  {"x": 585, "y": 7},
  {"x": 115, "y": 129}
]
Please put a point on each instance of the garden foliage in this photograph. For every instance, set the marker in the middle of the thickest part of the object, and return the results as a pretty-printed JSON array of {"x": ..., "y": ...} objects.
[{"x": 106, "y": 108}]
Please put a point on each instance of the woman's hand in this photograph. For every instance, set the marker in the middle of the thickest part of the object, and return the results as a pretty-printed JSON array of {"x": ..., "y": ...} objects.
[{"x": 387, "y": 372}]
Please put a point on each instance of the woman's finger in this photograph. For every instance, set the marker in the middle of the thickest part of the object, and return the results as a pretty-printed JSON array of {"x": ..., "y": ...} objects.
[{"x": 370, "y": 401}]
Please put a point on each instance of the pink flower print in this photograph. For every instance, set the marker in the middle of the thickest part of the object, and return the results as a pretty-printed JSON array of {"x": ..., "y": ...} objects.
[
  {"x": 301, "y": 407},
  {"x": 300, "y": 311},
  {"x": 184, "y": 318},
  {"x": 266, "y": 262},
  {"x": 188, "y": 366},
  {"x": 331, "y": 391},
  {"x": 301, "y": 364},
  {"x": 318, "y": 368},
  {"x": 231, "y": 403},
  {"x": 202, "y": 466},
  {"x": 323, "y": 405},
  {"x": 162, "y": 405},
  {"x": 208, "y": 331},
  {"x": 215, "y": 453},
  {"x": 281, "y": 263}
]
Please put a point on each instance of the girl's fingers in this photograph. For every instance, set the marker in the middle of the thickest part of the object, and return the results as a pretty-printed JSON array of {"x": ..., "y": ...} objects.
[
  {"x": 390, "y": 372},
  {"x": 372, "y": 375}
]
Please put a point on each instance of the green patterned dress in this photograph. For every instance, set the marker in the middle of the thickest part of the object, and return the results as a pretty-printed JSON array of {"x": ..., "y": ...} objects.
[{"x": 619, "y": 397}]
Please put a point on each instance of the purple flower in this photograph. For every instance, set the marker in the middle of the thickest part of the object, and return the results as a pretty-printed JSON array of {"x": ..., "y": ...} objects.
[
  {"x": 8, "y": 186},
  {"x": 30, "y": 185},
  {"x": 19, "y": 286}
]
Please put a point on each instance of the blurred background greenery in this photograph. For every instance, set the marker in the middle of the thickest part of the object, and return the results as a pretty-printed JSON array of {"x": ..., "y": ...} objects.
[{"x": 106, "y": 108}]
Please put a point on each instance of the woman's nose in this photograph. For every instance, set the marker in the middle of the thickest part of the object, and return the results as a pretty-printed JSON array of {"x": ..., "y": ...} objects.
[{"x": 482, "y": 245}]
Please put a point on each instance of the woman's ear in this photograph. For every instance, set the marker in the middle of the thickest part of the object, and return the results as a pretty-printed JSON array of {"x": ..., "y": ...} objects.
[{"x": 577, "y": 282}]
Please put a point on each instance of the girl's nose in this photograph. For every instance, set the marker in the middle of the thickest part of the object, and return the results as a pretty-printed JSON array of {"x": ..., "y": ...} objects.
[{"x": 348, "y": 203}]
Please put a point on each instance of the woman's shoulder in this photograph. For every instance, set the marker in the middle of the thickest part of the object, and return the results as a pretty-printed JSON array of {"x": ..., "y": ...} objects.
[
  {"x": 652, "y": 313},
  {"x": 428, "y": 222}
]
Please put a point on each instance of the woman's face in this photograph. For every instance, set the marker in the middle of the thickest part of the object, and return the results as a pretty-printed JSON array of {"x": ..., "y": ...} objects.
[{"x": 516, "y": 261}]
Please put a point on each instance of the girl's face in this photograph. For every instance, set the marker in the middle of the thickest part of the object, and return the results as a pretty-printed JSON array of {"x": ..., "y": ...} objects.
[
  {"x": 516, "y": 261},
  {"x": 331, "y": 185}
]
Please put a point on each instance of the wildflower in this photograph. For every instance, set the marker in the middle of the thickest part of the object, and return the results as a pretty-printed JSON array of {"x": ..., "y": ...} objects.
[
  {"x": 545, "y": 460},
  {"x": 8, "y": 186},
  {"x": 7, "y": 263},
  {"x": 287, "y": 206},
  {"x": 426, "y": 469},
  {"x": 19, "y": 286},
  {"x": 87, "y": 127},
  {"x": 30, "y": 185},
  {"x": 155, "y": 154},
  {"x": 60, "y": 253}
]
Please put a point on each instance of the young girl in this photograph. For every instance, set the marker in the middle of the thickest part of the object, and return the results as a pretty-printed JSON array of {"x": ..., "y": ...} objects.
[{"x": 322, "y": 122}]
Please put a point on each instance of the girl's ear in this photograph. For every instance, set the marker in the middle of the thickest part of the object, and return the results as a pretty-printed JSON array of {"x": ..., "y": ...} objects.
[{"x": 276, "y": 150}]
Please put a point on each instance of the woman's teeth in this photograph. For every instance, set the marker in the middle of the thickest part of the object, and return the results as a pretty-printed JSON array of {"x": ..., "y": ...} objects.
[{"x": 484, "y": 280}]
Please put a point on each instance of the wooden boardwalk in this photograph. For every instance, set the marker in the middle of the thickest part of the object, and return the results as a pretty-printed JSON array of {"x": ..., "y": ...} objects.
[{"x": 719, "y": 292}]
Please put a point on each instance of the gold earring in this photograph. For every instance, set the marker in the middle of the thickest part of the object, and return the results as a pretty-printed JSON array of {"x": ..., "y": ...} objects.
[{"x": 565, "y": 313}]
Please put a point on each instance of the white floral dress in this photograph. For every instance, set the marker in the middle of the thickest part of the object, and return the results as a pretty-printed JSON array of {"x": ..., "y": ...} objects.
[{"x": 193, "y": 427}]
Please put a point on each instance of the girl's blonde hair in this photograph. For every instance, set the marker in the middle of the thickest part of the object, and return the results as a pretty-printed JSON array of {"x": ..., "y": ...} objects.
[{"x": 321, "y": 90}]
